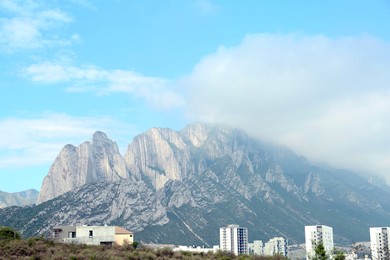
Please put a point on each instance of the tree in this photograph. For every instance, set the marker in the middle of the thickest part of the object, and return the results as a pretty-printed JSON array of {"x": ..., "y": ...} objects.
[
  {"x": 7, "y": 233},
  {"x": 135, "y": 244},
  {"x": 320, "y": 253},
  {"x": 338, "y": 255}
]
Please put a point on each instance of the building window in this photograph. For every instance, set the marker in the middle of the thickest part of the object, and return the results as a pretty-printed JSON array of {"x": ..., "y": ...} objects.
[
  {"x": 72, "y": 234},
  {"x": 56, "y": 233},
  {"x": 91, "y": 233}
]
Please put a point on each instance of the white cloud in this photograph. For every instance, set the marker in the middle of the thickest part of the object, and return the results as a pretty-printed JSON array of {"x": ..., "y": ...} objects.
[
  {"x": 156, "y": 91},
  {"x": 31, "y": 25},
  {"x": 328, "y": 99},
  {"x": 37, "y": 141}
]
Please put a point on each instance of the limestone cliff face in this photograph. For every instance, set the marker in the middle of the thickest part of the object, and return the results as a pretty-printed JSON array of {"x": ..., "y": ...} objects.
[
  {"x": 76, "y": 166},
  {"x": 159, "y": 155}
]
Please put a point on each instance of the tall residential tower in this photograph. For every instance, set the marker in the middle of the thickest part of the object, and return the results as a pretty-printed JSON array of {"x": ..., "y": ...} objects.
[
  {"x": 234, "y": 238},
  {"x": 319, "y": 234},
  {"x": 380, "y": 243}
]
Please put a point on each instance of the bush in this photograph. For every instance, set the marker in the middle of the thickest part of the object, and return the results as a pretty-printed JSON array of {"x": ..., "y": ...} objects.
[
  {"x": 224, "y": 255},
  {"x": 7, "y": 233},
  {"x": 135, "y": 244},
  {"x": 165, "y": 252}
]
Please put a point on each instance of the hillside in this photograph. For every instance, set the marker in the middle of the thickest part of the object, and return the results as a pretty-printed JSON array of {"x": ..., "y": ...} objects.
[{"x": 180, "y": 187}]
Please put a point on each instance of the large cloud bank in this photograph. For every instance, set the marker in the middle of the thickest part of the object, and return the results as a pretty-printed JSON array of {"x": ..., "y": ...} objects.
[{"x": 327, "y": 99}]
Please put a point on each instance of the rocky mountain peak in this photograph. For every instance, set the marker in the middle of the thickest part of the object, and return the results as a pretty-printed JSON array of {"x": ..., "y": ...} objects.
[
  {"x": 196, "y": 134},
  {"x": 18, "y": 198},
  {"x": 159, "y": 155},
  {"x": 76, "y": 166},
  {"x": 98, "y": 135}
]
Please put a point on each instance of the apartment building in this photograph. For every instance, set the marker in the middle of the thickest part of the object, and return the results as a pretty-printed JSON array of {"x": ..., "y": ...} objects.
[
  {"x": 276, "y": 246},
  {"x": 380, "y": 243},
  {"x": 319, "y": 234},
  {"x": 256, "y": 248},
  {"x": 234, "y": 238}
]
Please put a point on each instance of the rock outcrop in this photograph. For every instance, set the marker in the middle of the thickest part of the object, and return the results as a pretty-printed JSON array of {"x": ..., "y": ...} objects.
[
  {"x": 75, "y": 166},
  {"x": 159, "y": 155}
]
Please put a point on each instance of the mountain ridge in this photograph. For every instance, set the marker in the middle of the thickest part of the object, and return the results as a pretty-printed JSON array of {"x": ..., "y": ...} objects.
[
  {"x": 20, "y": 198},
  {"x": 186, "y": 184}
]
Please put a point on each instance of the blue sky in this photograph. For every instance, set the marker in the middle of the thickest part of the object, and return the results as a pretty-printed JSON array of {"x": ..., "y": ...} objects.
[{"x": 313, "y": 75}]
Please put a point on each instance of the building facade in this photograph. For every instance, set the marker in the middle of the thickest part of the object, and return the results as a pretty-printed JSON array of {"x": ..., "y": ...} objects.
[
  {"x": 234, "y": 238},
  {"x": 319, "y": 234},
  {"x": 256, "y": 248},
  {"x": 380, "y": 244},
  {"x": 93, "y": 235},
  {"x": 276, "y": 246}
]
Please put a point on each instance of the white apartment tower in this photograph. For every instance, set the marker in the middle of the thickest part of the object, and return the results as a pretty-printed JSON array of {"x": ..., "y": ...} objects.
[
  {"x": 256, "y": 248},
  {"x": 276, "y": 246},
  {"x": 380, "y": 243},
  {"x": 234, "y": 238},
  {"x": 319, "y": 234}
]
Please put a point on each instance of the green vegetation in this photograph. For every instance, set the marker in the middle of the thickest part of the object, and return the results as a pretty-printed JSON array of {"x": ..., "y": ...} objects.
[
  {"x": 320, "y": 253},
  {"x": 338, "y": 255},
  {"x": 40, "y": 248},
  {"x": 7, "y": 233},
  {"x": 135, "y": 244}
]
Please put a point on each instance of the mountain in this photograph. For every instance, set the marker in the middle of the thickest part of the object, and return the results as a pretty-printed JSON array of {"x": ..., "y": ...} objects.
[
  {"x": 181, "y": 186},
  {"x": 76, "y": 166},
  {"x": 21, "y": 198}
]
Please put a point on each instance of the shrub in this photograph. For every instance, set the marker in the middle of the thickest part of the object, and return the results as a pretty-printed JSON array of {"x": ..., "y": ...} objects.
[
  {"x": 224, "y": 255},
  {"x": 147, "y": 255},
  {"x": 19, "y": 249},
  {"x": 135, "y": 244},
  {"x": 7, "y": 233},
  {"x": 245, "y": 257},
  {"x": 165, "y": 251}
]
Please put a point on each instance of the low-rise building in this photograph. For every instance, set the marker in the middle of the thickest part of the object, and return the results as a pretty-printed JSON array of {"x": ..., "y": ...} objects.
[
  {"x": 93, "y": 235},
  {"x": 195, "y": 249}
]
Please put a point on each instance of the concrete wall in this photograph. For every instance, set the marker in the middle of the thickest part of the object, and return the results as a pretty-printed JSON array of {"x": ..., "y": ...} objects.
[
  {"x": 99, "y": 234},
  {"x": 64, "y": 233},
  {"x": 121, "y": 238},
  {"x": 98, "y": 231}
]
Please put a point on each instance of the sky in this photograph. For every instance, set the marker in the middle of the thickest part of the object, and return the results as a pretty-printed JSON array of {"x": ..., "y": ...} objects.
[{"x": 311, "y": 75}]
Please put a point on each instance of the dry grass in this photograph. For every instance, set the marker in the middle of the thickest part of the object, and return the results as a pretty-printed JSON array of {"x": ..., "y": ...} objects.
[{"x": 38, "y": 248}]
